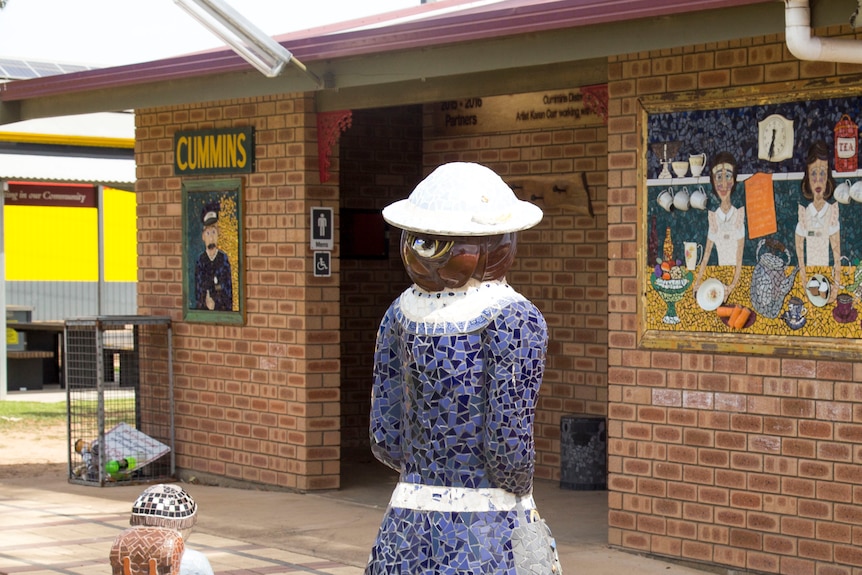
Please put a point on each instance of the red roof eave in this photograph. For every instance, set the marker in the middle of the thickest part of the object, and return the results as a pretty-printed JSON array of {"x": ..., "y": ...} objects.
[{"x": 472, "y": 23}]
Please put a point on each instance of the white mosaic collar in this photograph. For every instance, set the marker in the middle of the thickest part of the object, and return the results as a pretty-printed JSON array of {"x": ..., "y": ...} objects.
[{"x": 455, "y": 306}]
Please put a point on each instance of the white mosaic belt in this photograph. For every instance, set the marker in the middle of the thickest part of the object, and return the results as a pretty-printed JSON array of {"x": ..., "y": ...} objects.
[{"x": 463, "y": 499}]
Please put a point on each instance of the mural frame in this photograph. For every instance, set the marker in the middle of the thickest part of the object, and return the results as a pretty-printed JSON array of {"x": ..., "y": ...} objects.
[
  {"x": 207, "y": 203},
  {"x": 768, "y": 99}
]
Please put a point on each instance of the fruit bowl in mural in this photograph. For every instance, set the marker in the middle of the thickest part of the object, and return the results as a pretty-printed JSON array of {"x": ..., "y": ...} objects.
[{"x": 671, "y": 291}]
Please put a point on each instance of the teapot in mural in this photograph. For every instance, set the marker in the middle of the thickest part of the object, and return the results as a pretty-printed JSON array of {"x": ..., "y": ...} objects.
[{"x": 769, "y": 283}]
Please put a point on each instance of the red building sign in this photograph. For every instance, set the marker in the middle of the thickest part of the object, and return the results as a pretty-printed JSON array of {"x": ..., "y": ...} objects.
[{"x": 58, "y": 195}]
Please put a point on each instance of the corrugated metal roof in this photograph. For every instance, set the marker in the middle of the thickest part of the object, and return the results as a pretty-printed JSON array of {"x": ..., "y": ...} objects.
[
  {"x": 433, "y": 25},
  {"x": 118, "y": 173}
]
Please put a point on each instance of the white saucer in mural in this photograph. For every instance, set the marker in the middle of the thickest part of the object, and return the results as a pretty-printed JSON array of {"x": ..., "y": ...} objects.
[
  {"x": 710, "y": 294},
  {"x": 818, "y": 290}
]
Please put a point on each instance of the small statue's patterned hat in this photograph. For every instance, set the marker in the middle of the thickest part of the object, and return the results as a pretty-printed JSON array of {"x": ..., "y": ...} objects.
[
  {"x": 462, "y": 199},
  {"x": 165, "y": 505}
]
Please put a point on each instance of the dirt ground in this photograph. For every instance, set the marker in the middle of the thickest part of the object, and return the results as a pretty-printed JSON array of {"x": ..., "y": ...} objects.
[{"x": 33, "y": 452}]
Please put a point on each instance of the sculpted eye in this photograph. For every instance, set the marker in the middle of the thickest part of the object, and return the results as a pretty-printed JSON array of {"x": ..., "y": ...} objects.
[{"x": 429, "y": 248}]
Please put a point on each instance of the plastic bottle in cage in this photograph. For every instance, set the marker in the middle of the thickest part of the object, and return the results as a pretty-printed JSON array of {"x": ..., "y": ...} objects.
[{"x": 117, "y": 468}]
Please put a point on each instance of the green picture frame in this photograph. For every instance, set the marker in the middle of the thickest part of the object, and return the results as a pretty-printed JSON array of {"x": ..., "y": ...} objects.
[{"x": 213, "y": 282}]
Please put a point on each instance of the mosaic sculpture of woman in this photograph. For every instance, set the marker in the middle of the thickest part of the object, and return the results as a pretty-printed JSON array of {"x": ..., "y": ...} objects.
[{"x": 458, "y": 364}]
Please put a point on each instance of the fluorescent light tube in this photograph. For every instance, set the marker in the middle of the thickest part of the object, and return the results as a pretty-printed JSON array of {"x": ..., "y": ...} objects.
[{"x": 246, "y": 39}]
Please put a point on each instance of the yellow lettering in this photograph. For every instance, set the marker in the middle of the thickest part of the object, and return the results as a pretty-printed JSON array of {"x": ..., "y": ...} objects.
[
  {"x": 215, "y": 152},
  {"x": 212, "y": 151},
  {"x": 182, "y": 142},
  {"x": 243, "y": 157},
  {"x": 203, "y": 153},
  {"x": 193, "y": 153},
  {"x": 227, "y": 148}
]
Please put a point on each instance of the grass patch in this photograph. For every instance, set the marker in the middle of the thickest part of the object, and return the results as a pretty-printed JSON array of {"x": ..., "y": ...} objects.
[
  {"x": 29, "y": 414},
  {"x": 20, "y": 415}
]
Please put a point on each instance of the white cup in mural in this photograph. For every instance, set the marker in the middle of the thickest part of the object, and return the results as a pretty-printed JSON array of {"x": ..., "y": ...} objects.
[
  {"x": 692, "y": 256},
  {"x": 665, "y": 199},
  {"x": 856, "y": 191},
  {"x": 696, "y": 162},
  {"x": 680, "y": 200},
  {"x": 698, "y": 199},
  {"x": 842, "y": 192},
  {"x": 680, "y": 168}
]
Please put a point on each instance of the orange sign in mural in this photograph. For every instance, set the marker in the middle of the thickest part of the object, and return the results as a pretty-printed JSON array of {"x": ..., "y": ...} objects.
[{"x": 760, "y": 206}]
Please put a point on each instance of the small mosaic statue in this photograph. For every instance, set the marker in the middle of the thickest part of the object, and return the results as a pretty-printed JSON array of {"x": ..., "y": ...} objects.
[
  {"x": 457, "y": 368},
  {"x": 171, "y": 507},
  {"x": 147, "y": 551}
]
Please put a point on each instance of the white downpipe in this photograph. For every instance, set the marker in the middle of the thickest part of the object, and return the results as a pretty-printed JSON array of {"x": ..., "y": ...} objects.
[{"x": 805, "y": 46}]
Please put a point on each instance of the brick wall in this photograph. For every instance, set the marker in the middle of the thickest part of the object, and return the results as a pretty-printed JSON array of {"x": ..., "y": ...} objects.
[
  {"x": 561, "y": 267},
  {"x": 747, "y": 462},
  {"x": 381, "y": 162},
  {"x": 258, "y": 402},
  {"x": 262, "y": 402}
]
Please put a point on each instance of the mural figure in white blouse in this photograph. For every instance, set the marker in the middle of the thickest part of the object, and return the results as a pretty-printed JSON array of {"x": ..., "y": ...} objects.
[
  {"x": 726, "y": 223},
  {"x": 818, "y": 228}
]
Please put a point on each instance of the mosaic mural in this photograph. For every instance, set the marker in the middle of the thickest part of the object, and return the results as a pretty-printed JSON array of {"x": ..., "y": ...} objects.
[{"x": 752, "y": 220}]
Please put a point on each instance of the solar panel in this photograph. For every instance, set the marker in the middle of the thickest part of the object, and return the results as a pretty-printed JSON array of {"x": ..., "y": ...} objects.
[
  {"x": 67, "y": 68},
  {"x": 18, "y": 71},
  {"x": 46, "y": 68},
  {"x": 14, "y": 69}
]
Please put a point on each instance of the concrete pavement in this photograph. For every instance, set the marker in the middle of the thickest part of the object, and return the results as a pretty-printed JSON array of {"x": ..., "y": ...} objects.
[{"x": 50, "y": 526}]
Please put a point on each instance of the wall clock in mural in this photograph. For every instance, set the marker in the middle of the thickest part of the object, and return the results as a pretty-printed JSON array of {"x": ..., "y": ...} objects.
[{"x": 775, "y": 138}]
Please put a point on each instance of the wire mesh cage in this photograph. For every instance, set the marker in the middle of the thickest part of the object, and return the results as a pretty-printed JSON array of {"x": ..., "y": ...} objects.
[{"x": 120, "y": 408}]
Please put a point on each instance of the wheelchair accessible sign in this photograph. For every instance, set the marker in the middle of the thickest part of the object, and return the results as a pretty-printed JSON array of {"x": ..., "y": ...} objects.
[{"x": 322, "y": 241}]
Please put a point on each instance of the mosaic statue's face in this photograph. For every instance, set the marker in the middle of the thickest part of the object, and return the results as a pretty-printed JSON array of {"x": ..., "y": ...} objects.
[{"x": 435, "y": 263}]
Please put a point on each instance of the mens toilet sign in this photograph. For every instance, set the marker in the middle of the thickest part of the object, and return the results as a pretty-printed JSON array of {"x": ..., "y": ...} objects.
[
  {"x": 321, "y": 229},
  {"x": 322, "y": 240}
]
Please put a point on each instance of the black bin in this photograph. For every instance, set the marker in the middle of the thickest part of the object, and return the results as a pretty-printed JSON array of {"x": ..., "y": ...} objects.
[{"x": 584, "y": 462}]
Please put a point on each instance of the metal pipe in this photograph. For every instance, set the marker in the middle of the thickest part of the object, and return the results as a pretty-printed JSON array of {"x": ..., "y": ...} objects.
[{"x": 805, "y": 46}]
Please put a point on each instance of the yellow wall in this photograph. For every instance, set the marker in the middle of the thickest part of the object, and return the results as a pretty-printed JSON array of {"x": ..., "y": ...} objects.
[
  {"x": 61, "y": 244},
  {"x": 121, "y": 236}
]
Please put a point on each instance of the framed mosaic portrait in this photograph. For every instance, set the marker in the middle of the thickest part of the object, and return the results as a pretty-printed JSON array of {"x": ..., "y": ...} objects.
[
  {"x": 750, "y": 238},
  {"x": 212, "y": 251}
]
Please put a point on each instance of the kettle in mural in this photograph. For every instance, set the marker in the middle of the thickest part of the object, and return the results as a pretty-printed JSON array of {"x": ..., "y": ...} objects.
[{"x": 769, "y": 282}]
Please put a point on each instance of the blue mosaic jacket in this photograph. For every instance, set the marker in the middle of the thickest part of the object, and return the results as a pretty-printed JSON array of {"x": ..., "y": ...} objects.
[{"x": 455, "y": 389}]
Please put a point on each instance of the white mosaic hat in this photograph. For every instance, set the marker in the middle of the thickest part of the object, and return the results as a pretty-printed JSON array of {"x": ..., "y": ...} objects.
[
  {"x": 462, "y": 199},
  {"x": 165, "y": 505}
]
